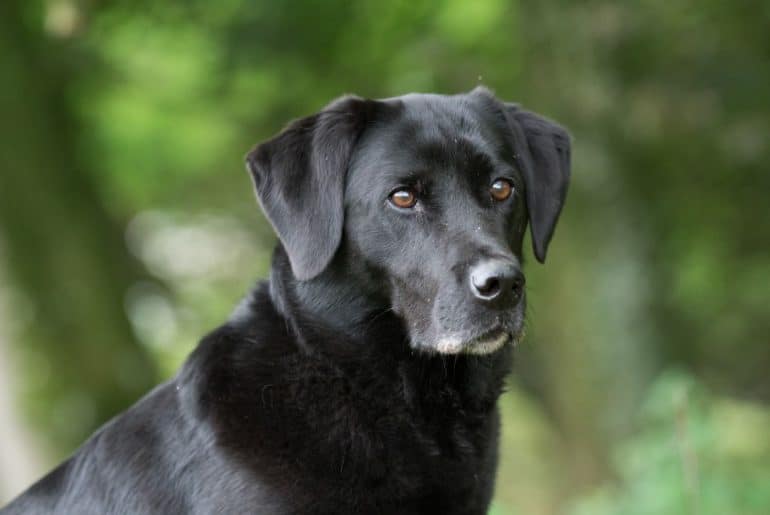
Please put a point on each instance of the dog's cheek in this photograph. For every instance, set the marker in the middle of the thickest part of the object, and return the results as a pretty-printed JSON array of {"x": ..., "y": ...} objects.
[
  {"x": 445, "y": 317},
  {"x": 414, "y": 309},
  {"x": 452, "y": 313}
]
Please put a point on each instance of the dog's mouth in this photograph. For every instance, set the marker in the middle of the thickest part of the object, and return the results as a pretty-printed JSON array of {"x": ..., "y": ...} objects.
[
  {"x": 488, "y": 342},
  {"x": 485, "y": 343}
]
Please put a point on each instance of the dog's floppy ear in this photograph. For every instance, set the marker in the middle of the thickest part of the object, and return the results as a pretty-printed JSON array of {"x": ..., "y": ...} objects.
[
  {"x": 299, "y": 177},
  {"x": 542, "y": 152}
]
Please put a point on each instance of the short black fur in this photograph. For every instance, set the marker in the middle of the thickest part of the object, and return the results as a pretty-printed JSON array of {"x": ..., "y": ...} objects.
[{"x": 363, "y": 376}]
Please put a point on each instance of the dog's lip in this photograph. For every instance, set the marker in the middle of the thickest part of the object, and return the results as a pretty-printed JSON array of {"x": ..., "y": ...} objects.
[
  {"x": 489, "y": 334},
  {"x": 484, "y": 343},
  {"x": 488, "y": 342}
]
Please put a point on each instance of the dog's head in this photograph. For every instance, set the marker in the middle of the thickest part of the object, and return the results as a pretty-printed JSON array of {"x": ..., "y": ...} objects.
[{"x": 431, "y": 194}]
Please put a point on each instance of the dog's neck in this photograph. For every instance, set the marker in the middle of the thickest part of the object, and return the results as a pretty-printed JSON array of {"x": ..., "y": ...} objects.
[
  {"x": 327, "y": 316},
  {"x": 331, "y": 307}
]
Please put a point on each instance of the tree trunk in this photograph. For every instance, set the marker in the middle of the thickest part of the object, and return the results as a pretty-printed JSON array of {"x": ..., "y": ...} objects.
[{"x": 64, "y": 253}]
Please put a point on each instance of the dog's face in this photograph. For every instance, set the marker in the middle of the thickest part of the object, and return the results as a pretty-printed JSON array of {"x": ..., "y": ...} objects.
[
  {"x": 430, "y": 193},
  {"x": 432, "y": 201}
]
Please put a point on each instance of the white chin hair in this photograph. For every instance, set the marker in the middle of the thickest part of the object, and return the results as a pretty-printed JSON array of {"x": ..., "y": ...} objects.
[
  {"x": 449, "y": 345},
  {"x": 453, "y": 345}
]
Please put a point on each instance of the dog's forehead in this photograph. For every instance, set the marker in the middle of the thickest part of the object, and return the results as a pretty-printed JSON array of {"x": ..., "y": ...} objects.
[
  {"x": 432, "y": 131},
  {"x": 442, "y": 116}
]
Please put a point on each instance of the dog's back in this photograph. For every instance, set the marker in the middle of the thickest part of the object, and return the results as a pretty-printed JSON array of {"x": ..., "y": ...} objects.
[{"x": 150, "y": 459}]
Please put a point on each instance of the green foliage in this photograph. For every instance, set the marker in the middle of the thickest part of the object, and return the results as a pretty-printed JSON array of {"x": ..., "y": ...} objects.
[
  {"x": 693, "y": 453},
  {"x": 128, "y": 226}
]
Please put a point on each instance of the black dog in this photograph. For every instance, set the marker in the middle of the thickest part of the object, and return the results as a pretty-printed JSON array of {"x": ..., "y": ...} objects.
[{"x": 363, "y": 377}]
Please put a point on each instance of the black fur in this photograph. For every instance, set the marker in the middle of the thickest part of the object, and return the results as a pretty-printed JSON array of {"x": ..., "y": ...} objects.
[{"x": 356, "y": 380}]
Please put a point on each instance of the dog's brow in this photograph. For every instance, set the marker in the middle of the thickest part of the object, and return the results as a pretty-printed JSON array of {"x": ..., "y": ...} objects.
[{"x": 480, "y": 162}]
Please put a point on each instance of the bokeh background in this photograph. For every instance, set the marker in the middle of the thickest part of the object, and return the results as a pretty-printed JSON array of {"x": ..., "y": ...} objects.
[{"x": 128, "y": 226}]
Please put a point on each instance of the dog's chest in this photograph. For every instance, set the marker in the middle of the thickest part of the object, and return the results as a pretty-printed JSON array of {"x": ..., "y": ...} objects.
[{"x": 365, "y": 443}]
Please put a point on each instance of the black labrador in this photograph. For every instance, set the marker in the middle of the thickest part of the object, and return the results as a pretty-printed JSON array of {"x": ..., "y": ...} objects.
[{"x": 363, "y": 376}]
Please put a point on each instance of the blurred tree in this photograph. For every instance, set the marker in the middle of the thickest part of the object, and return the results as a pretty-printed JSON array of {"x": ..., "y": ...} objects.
[
  {"x": 661, "y": 255},
  {"x": 65, "y": 253}
]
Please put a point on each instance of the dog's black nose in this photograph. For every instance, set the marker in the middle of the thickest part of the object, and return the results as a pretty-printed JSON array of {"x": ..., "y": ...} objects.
[{"x": 497, "y": 280}]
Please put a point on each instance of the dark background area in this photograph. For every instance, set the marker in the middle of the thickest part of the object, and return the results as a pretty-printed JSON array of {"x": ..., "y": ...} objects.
[{"x": 128, "y": 227}]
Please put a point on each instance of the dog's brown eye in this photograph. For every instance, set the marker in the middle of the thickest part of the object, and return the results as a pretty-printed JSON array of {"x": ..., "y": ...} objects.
[
  {"x": 403, "y": 198},
  {"x": 501, "y": 189}
]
